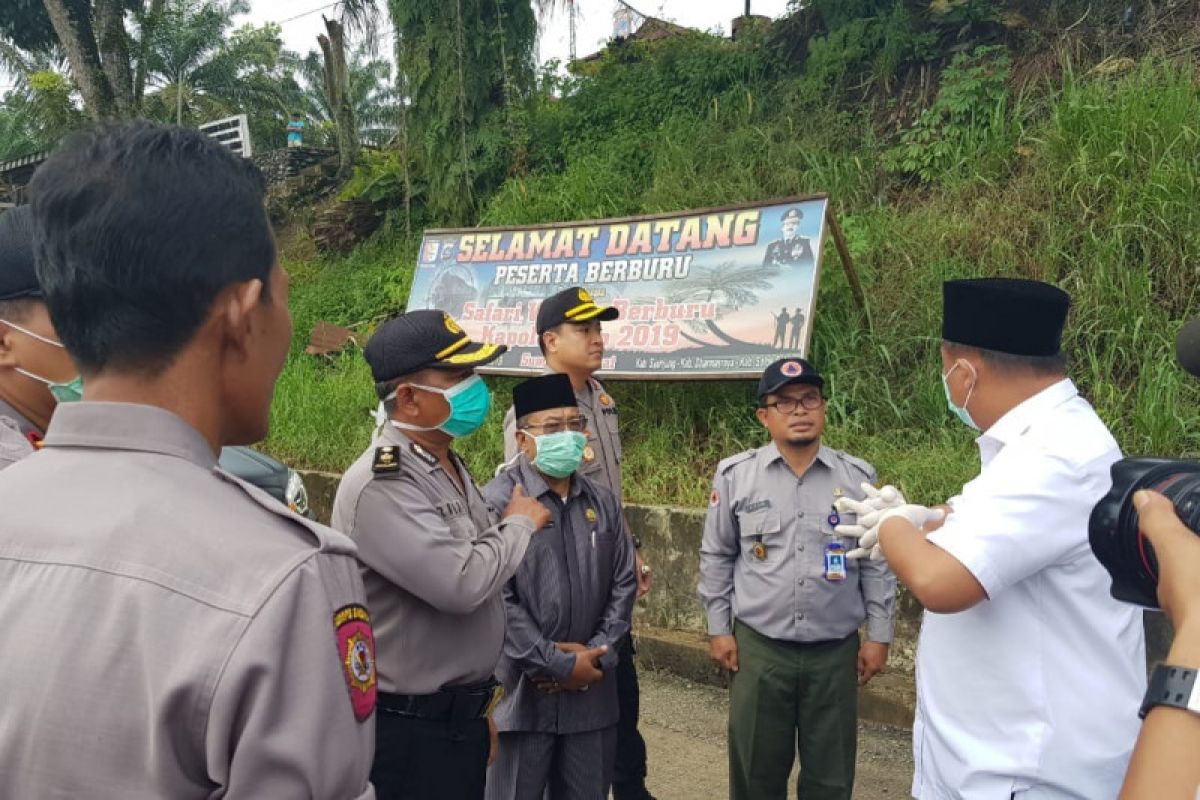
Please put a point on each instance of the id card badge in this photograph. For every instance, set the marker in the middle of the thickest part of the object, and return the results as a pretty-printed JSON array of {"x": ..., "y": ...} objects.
[{"x": 835, "y": 562}]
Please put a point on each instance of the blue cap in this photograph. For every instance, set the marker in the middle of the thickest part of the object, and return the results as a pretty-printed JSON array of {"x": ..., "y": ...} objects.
[{"x": 18, "y": 279}]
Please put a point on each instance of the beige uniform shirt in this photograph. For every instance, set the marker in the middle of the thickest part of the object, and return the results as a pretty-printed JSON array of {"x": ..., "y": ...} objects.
[
  {"x": 169, "y": 631},
  {"x": 602, "y": 457},
  {"x": 434, "y": 563},
  {"x": 14, "y": 435}
]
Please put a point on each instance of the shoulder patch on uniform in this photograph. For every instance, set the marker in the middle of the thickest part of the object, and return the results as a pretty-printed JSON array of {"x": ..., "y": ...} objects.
[
  {"x": 733, "y": 461},
  {"x": 356, "y": 650},
  {"x": 387, "y": 459},
  {"x": 862, "y": 466},
  {"x": 423, "y": 454}
]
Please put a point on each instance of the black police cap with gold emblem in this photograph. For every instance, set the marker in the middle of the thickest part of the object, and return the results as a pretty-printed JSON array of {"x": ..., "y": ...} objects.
[
  {"x": 18, "y": 279},
  {"x": 1008, "y": 315},
  {"x": 793, "y": 214},
  {"x": 787, "y": 371},
  {"x": 543, "y": 393},
  {"x": 420, "y": 339},
  {"x": 571, "y": 305}
]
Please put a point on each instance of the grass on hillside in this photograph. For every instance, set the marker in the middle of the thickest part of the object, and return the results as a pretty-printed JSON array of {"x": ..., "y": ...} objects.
[{"x": 1094, "y": 187}]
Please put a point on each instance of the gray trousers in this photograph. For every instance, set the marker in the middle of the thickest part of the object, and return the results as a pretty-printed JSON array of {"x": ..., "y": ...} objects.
[{"x": 576, "y": 766}]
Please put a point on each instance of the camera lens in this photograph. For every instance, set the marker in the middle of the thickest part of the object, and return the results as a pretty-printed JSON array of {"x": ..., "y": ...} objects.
[{"x": 1113, "y": 528}]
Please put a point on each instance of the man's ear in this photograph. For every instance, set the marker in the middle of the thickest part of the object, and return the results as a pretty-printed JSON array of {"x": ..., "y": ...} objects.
[
  {"x": 550, "y": 340},
  {"x": 8, "y": 355},
  {"x": 234, "y": 306},
  {"x": 761, "y": 413}
]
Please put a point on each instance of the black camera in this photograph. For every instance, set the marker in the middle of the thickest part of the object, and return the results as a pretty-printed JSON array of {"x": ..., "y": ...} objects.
[{"x": 1113, "y": 527}]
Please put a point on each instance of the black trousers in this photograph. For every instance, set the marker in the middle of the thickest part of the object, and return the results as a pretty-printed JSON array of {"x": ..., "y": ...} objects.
[
  {"x": 630, "y": 769},
  {"x": 418, "y": 759}
]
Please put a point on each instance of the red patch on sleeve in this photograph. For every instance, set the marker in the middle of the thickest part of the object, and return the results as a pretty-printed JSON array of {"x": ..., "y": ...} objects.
[
  {"x": 714, "y": 498},
  {"x": 356, "y": 650}
]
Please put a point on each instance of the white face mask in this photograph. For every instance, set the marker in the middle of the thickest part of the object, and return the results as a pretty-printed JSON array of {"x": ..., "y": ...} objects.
[{"x": 68, "y": 392}]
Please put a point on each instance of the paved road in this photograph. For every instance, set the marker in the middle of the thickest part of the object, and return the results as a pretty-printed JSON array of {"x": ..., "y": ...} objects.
[{"x": 684, "y": 727}]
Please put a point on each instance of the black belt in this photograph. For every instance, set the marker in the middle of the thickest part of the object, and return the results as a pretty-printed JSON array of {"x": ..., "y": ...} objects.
[{"x": 452, "y": 703}]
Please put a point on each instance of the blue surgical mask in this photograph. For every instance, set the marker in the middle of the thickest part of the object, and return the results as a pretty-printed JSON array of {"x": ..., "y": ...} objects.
[
  {"x": 469, "y": 401},
  {"x": 69, "y": 392},
  {"x": 960, "y": 411},
  {"x": 559, "y": 454}
]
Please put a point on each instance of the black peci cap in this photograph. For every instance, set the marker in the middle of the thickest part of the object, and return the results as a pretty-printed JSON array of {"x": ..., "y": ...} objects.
[
  {"x": 542, "y": 393},
  {"x": 1008, "y": 315},
  {"x": 787, "y": 371},
  {"x": 425, "y": 338},
  {"x": 571, "y": 305},
  {"x": 18, "y": 279}
]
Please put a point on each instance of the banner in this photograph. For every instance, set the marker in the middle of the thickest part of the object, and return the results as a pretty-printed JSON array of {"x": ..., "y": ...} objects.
[{"x": 713, "y": 293}]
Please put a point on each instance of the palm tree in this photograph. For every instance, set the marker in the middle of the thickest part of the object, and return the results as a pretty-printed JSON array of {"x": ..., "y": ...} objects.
[
  {"x": 371, "y": 95},
  {"x": 195, "y": 63},
  {"x": 731, "y": 287}
]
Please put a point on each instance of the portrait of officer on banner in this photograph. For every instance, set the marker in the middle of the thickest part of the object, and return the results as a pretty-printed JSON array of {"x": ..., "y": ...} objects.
[{"x": 793, "y": 248}]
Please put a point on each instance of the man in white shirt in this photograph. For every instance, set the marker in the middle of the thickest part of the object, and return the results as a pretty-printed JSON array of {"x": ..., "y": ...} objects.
[{"x": 1029, "y": 674}]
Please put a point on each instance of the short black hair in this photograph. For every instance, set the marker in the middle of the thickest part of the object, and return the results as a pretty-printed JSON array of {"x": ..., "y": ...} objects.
[
  {"x": 139, "y": 227},
  {"x": 1038, "y": 366},
  {"x": 18, "y": 309}
]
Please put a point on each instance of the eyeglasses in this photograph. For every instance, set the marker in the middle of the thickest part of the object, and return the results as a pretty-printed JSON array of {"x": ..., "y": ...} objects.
[
  {"x": 786, "y": 405},
  {"x": 576, "y": 424}
]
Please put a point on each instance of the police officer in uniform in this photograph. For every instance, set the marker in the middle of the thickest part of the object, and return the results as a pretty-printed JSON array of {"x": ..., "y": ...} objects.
[
  {"x": 569, "y": 335},
  {"x": 435, "y": 556},
  {"x": 170, "y": 631},
  {"x": 784, "y": 606},
  {"x": 34, "y": 366},
  {"x": 791, "y": 249}
]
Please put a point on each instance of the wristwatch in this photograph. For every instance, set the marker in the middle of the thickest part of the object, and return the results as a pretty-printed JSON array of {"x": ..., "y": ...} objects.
[{"x": 1171, "y": 686}]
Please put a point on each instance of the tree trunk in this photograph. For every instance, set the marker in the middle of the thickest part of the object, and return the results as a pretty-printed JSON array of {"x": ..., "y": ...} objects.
[
  {"x": 78, "y": 41},
  {"x": 406, "y": 154},
  {"x": 179, "y": 101},
  {"x": 337, "y": 89},
  {"x": 114, "y": 53}
]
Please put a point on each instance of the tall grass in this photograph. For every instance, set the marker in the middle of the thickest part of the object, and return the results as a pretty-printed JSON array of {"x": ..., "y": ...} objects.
[{"x": 1093, "y": 186}]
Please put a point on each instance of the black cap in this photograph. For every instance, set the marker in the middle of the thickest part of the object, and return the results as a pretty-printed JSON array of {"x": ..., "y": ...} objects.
[
  {"x": 571, "y": 305},
  {"x": 1008, "y": 315},
  {"x": 792, "y": 213},
  {"x": 425, "y": 338},
  {"x": 542, "y": 393},
  {"x": 17, "y": 276},
  {"x": 787, "y": 371}
]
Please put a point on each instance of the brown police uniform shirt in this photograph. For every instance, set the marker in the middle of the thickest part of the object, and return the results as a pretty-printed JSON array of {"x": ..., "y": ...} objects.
[
  {"x": 169, "y": 630},
  {"x": 14, "y": 435},
  {"x": 602, "y": 457},
  {"x": 434, "y": 562}
]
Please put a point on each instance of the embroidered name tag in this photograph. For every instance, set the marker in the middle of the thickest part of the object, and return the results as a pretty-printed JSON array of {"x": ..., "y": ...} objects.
[
  {"x": 756, "y": 505},
  {"x": 451, "y": 509}
]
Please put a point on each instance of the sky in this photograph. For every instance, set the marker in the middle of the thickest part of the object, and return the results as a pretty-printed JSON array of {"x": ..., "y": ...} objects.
[{"x": 594, "y": 20}]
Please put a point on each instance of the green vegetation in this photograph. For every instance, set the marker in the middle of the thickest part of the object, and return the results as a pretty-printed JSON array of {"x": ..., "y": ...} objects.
[{"x": 1085, "y": 180}]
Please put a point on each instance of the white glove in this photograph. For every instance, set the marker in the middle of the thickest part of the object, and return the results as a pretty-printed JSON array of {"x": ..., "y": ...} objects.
[
  {"x": 867, "y": 529},
  {"x": 873, "y": 500}
]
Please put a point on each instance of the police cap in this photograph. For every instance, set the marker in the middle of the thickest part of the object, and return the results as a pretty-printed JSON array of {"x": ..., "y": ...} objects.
[
  {"x": 794, "y": 214},
  {"x": 543, "y": 393},
  {"x": 17, "y": 277},
  {"x": 420, "y": 339},
  {"x": 785, "y": 372},
  {"x": 571, "y": 305},
  {"x": 1007, "y": 315}
]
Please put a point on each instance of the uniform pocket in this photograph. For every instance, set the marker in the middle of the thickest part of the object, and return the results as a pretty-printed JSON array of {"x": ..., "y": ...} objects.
[{"x": 760, "y": 536}]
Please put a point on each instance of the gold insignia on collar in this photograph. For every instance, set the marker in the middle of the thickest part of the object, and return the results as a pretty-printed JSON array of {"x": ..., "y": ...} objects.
[
  {"x": 589, "y": 454},
  {"x": 591, "y": 515}
]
